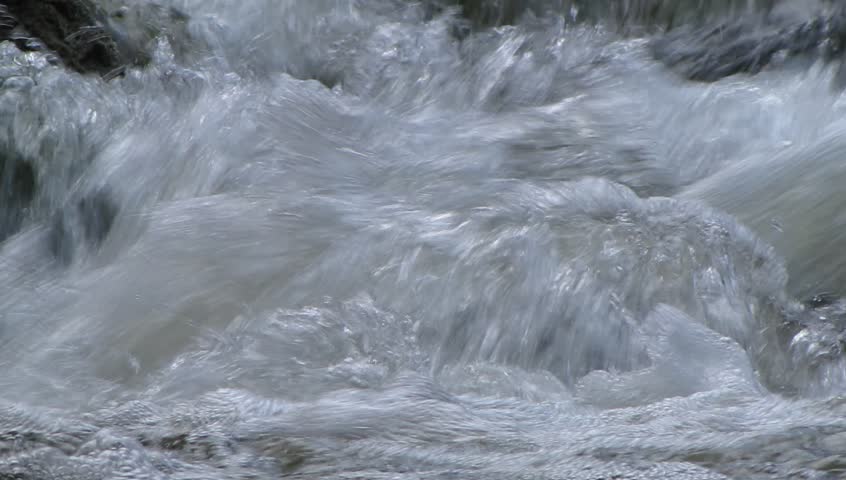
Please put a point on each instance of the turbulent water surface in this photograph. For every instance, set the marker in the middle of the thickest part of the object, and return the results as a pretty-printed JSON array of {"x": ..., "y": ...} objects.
[{"x": 370, "y": 239}]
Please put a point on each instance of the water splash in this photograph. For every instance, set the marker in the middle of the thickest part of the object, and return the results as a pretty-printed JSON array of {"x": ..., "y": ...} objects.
[{"x": 339, "y": 239}]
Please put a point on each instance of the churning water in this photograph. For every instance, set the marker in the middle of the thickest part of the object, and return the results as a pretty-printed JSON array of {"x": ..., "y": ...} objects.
[{"x": 367, "y": 239}]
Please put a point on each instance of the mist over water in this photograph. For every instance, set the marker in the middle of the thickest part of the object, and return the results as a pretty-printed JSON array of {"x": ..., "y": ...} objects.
[{"x": 374, "y": 239}]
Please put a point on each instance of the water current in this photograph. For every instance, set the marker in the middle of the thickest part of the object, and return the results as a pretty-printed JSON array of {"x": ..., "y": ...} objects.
[{"x": 372, "y": 239}]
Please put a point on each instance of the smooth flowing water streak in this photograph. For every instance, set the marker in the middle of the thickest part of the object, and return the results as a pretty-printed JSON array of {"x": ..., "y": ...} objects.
[{"x": 369, "y": 239}]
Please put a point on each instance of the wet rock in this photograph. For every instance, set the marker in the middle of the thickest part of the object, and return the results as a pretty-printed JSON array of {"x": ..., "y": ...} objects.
[
  {"x": 97, "y": 212},
  {"x": 624, "y": 15},
  {"x": 89, "y": 38},
  {"x": 748, "y": 44},
  {"x": 75, "y": 30},
  {"x": 84, "y": 223},
  {"x": 7, "y": 22},
  {"x": 636, "y": 16},
  {"x": 713, "y": 53},
  {"x": 834, "y": 463},
  {"x": 60, "y": 240},
  {"x": 820, "y": 300},
  {"x": 487, "y": 12},
  {"x": 17, "y": 190}
]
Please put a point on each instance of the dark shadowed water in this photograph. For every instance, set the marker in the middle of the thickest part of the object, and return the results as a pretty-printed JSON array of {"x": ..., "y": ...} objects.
[{"x": 368, "y": 239}]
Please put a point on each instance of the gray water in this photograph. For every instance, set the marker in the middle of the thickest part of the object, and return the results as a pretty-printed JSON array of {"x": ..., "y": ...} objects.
[{"x": 348, "y": 244}]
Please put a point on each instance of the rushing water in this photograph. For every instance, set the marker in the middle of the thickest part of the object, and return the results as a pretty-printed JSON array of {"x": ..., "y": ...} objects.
[{"x": 367, "y": 239}]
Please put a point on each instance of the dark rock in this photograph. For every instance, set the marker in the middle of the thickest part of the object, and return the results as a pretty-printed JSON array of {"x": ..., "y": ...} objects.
[
  {"x": 97, "y": 212},
  {"x": 747, "y": 44},
  {"x": 834, "y": 463},
  {"x": 83, "y": 223},
  {"x": 90, "y": 39},
  {"x": 74, "y": 29},
  {"x": 493, "y": 12},
  {"x": 820, "y": 300},
  {"x": 17, "y": 190},
  {"x": 60, "y": 240},
  {"x": 629, "y": 15},
  {"x": 175, "y": 442},
  {"x": 714, "y": 53},
  {"x": 7, "y": 22}
]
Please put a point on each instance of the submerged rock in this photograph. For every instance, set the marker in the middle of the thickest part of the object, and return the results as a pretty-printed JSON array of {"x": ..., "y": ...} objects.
[
  {"x": 834, "y": 463},
  {"x": 748, "y": 44},
  {"x": 487, "y": 12},
  {"x": 626, "y": 15},
  {"x": 17, "y": 190},
  {"x": 84, "y": 223}
]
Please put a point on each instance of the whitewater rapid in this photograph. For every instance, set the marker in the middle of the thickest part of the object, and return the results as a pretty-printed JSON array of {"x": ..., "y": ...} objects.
[{"x": 370, "y": 239}]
